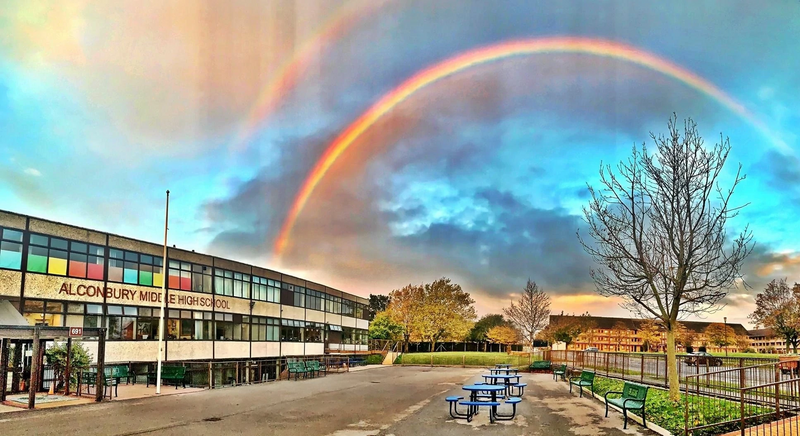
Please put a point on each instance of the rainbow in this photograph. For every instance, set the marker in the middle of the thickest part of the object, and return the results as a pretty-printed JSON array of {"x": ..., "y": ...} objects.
[
  {"x": 483, "y": 55},
  {"x": 287, "y": 74}
]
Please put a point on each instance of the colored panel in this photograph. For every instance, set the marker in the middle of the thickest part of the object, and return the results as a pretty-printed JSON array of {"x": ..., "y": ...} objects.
[
  {"x": 114, "y": 273},
  {"x": 77, "y": 269},
  {"x": 10, "y": 255},
  {"x": 129, "y": 276},
  {"x": 145, "y": 278},
  {"x": 186, "y": 283},
  {"x": 158, "y": 279},
  {"x": 95, "y": 271},
  {"x": 57, "y": 266},
  {"x": 174, "y": 282}
]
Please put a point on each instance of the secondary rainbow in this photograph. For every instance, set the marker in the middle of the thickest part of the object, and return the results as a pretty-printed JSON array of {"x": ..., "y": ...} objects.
[
  {"x": 287, "y": 74},
  {"x": 483, "y": 55}
]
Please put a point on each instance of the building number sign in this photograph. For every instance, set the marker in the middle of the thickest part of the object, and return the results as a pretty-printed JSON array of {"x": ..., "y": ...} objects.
[{"x": 75, "y": 331}]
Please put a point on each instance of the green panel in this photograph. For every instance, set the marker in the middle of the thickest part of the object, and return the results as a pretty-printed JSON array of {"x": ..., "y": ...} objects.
[
  {"x": 37, "y": 263},
  {"x": 145, "y": 278}
]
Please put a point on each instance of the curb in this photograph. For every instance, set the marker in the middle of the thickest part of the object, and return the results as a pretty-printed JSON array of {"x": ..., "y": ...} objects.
[{"x": 632, "y": 417}]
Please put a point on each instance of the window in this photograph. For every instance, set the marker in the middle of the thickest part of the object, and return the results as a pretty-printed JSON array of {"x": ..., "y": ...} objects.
[
  {"x": 188, "y": 277},
  {"x": 299, "y": 297},
  {"x": 187, "y": 325},
  {"x": 229, "y": 327},
  {"x": 147, "y": 324},
  {"x": 231, "y": 283},
  {"x": 333, "y": 304},
  {"x": 135, "y": 268},
  {"x": 347, "y": 307},
  {"x": 203, "y": 326},
  {"x": 121, "y": 323},
  {"x": 265, "y": 329},
  {"x": 292, "y": 330},
  {"x": 44, "y": 313},
  {"x": 359, "y": 311},
  {"x": 314, "y": 299},
  {"x": 313, "y": 332},
  {"x": 86, "y": 260},
  {"x": 266, "y": 290},
  {"x": 47, "y": 255},
  {"x": 10, "y": 248}
]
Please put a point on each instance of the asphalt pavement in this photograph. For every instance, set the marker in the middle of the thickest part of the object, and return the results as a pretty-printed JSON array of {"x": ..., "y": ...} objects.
[{"x": 386, "y": 401}]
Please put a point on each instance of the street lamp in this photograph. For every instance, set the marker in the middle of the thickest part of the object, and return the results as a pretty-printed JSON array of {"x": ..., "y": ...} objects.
[{"x": 725, "y": 320}]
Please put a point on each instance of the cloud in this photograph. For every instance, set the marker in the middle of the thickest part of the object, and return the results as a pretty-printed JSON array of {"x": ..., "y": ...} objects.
[{"x": 33, "y": 172}]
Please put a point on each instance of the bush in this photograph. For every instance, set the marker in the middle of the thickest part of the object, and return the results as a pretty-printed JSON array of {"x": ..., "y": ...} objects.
[
  {"x": 80, "y": 359},
  {"x": 374, "y": 359},
  {"x": 702, "y": 349},
  {"x": 689, "y": 349}
]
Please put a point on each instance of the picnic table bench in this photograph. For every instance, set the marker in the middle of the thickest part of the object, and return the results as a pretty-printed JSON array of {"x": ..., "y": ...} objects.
[
  {"x": 585, "y": 379},
  {"x": 175, "y": 374},
  {"x": 632, "y": 397}
]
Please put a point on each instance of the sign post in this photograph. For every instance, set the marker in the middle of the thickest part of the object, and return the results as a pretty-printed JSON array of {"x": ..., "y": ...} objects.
[{"x": 164, "y": 273}]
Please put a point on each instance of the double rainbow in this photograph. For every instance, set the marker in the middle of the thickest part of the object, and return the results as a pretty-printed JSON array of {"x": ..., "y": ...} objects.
[{"x": 471, "y": 58}]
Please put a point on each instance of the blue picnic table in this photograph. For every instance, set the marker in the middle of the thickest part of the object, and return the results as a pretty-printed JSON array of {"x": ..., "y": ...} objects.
[
  {"x": 503, "y": 370},
  {"x": 505, "y": 377},
  {"x": 473, "y": 395},
  {"x": 502, "y": 365}
]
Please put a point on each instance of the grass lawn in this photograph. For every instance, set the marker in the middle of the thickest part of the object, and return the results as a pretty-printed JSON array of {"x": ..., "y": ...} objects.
[
  {"x": 670, "y": 415},
  {"x": 468, "y": 358}
]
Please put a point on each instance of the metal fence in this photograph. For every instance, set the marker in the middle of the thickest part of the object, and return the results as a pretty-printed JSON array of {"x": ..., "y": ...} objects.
[
  {"x": 647, "y": 368},
  {"x": 750, "y": 400}
]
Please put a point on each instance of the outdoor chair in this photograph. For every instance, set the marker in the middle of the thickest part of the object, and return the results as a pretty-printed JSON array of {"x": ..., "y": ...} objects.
[
  {"x": 560, "y": 370},
  {"x": 586, "y": 379},
  {"x": 632, "y": 397}
]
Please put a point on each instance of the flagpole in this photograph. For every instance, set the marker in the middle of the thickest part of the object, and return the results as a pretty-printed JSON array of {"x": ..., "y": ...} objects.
[{"x": 164, "y": 277}]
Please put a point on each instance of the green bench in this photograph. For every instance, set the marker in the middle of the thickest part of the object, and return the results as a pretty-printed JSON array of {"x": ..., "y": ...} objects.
[
  {"x": 632, "y": 397},
  {"x": 586, "y": 379},
  {"x": 89, "y": 378},
  {"x": 540, "y": 365},
  {"x": 297, "y": 368},
  {"x": 175, "y": 374},
  {"x": 119, "y": 372},
  {"x": 314, "y": 367},
  {"x": 560, "y": 370}
]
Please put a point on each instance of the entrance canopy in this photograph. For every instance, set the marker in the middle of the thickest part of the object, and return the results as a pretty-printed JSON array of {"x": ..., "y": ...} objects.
[{"x": 9, "y": 315}]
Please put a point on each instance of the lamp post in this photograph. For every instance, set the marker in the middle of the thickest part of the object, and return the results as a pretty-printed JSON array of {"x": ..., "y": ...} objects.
[
  {"x": 725, "y": 320},
  {"x": 165, "y": 276}
]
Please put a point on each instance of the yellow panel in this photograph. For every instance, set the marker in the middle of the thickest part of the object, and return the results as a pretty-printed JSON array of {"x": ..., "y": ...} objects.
[
  {"x": 158, "y": 279},
  {"x": 57, "y": 266}
]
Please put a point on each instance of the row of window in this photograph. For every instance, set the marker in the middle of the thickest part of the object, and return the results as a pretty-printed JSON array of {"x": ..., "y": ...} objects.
[
  {"x": 57, "y": 256},
  {"x": 140, "y": 323}
]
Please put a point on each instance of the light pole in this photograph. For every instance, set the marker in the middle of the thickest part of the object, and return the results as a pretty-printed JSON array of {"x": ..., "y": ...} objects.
[
  {"x": 165, "y": 277},
  {"x": 725, "y": 320}
]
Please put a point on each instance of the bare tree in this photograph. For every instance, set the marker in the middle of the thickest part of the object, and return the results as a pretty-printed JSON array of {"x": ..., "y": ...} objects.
[
  {"x": 659, "y": 231},
  {"x": 530, "y": 313}
]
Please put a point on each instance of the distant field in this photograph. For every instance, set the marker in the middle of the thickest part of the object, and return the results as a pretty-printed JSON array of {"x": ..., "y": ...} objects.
[{"x": 468, "y": 358}]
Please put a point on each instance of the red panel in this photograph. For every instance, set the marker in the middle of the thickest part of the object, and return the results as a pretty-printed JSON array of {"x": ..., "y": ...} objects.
[
  {"x": 95, "y": 271},
  {"x": 77, "y": 269},
  {"x": 186, "y": 283}
]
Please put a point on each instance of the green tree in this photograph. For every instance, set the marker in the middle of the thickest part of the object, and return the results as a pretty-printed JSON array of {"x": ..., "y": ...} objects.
[
  {"x": 503, "y": 334},
  {"x": 446, "y": 312},
  {"x": 479, "y": 330},
  {"x": 778, "y": 308},
  {"x": 384, "y": 327},
  {"x": 659, "y": 231},
  {"x": 80, "y": 359},
  {"x": 405, "y": 307},
  {"x": 377, "y": 303}
]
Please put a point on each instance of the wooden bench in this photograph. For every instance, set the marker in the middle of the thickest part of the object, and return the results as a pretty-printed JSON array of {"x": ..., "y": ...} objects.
[
  {"x": 586, "y": 379},
  {"x": 175, "y": 374},
  {"x": 559, "y": 371},
  {"x": 540, "y": 365},
  {"x": 632, "y": 397}
]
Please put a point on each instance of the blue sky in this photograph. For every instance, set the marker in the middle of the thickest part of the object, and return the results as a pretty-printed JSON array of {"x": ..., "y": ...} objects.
[{"x": 481, "y": 177}]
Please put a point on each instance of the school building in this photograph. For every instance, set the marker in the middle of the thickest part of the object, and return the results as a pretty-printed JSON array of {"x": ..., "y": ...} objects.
[{"x": 55, "y": 274}]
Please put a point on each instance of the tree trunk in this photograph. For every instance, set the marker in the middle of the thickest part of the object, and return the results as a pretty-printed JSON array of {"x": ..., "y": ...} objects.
[
  {"x": 433, "y": 345},
  {"x": 672, "y": 367}
]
